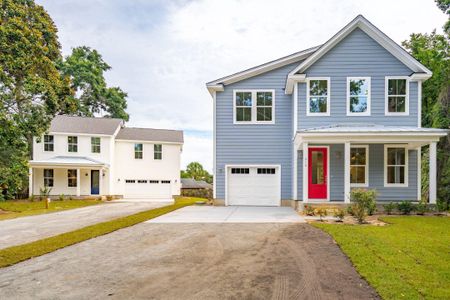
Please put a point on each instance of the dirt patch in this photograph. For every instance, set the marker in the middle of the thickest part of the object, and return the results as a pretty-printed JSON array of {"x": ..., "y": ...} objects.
[
  {"x": 193, "y": 261},
  {"x": 370, "y": 220}
]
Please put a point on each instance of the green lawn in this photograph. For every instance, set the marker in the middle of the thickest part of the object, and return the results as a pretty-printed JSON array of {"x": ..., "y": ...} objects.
[
  {"x": 408, "y": 259},
  {"x": 15, "y": 209},
  {"x": 15, "y": 254}
]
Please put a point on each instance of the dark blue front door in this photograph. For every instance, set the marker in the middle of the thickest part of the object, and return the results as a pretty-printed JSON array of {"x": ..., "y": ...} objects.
[{"x": 95, "y": 182}]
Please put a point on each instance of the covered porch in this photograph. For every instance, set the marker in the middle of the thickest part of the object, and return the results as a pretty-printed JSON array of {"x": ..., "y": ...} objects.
[
  {"x": 330, "y": 161},
  {"x": 69, "y": 176}
]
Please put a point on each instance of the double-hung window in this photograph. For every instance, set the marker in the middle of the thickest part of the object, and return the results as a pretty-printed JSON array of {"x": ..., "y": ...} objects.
[
  {"x": 395, "y": 165},
  {"x": 138, "y": 151},
  {"x": 157, "y": 151},
  {"x": 72, "y": 178},
  {"x": 254, "y": 106},
  {"x": 49, "y": 143},
  {"x": 359, "y": 166},
  {"x": 72, "y": 144},
  {"x": 48, "y": 177},
  {"x": 318, "y": 96},
  {"x": 397, "y": 90},
  {"x": 95, "y": 145},
  {"x": 358, "y": 96}
]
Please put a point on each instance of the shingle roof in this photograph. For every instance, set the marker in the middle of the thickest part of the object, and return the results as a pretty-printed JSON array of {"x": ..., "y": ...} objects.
[
  {"x": 189, "y": 183},
  {"x": 74, "y": 124},
  {"x": 150, "y": 134}
]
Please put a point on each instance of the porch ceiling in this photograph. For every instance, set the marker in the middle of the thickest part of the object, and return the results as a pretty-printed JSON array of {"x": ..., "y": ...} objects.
[{"x": 68, "y": 161}]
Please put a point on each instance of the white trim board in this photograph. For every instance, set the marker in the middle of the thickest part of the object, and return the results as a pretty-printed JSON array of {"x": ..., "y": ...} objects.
[
  {"x": 406, "y": 166},
  {"x": 309, "y": 200},
  {"x": 318, "y": 114},
  {"x": 357, "y": 114},
  {"x": 366, "y": 183},
  {"x": 386, "y": 96},
  {"x": 254, "y": 106}
]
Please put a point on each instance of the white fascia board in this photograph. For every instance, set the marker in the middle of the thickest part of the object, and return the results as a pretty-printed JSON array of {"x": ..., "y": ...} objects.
[
  {"x": 292, "y": 80},
  {"x": 373, "y": 32},
  {"x": 420, "y": 76},
  {"x": 148, "y": 142},
  {"x": 213, "y": 88}
]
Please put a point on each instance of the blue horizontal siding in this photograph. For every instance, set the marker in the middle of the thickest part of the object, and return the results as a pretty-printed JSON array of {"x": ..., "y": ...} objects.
[{"x": 357, "y": 55}]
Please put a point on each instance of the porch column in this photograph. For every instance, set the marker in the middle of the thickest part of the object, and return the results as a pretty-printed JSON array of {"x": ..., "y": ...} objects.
[
  {"x": 347, "y": 172},
  {"x": 78, "y": 182},
  {"x": 294, "y": 173},
  {"x": 305, "y": 173},
  {"x": 100, "y": 181},
  {"x": 30, "y": 182},
  {"x": 432, "y": 175}
]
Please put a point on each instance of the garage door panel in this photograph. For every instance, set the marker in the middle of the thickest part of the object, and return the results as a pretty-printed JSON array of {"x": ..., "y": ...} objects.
[
  {"x": 148, "y": 190},
  {"x": 253, "y": 188}
]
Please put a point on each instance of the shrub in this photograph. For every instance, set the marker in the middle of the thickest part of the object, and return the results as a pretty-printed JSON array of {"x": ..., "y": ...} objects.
[
  {"x": 61, "y": 197},
  {"x": 442, "y": 205},
  {"x": 405, "y": 207},
  {"x": 339, "y": 214},
  {"x": 363, "y": 201},
  {"x": 309, "y": 210},
  {"x": 350, "y": 210},
  {"x": 44, "y": 192},
  {"x": 388, "y": 208},
  {"x": 109, "y": 198},
  {"x": 198, "y": 193},
  {"x": 321, "y": 212},
  {"x": 371, "y": 208},
  {"x": 421, "y": 208}
]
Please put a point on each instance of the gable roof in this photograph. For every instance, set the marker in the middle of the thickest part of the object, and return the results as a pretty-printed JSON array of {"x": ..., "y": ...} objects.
[
  {"x": 217, "y": 85},
  {"x": 372, "y": 31},
  {"x": 75, "y": 124},
  {"x": 190, "y": 183},
  {"x": 150, "y": 135}
]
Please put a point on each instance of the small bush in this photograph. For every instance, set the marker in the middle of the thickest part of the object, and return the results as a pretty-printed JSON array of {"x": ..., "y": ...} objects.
[
  {"x": 389, "y": 208},
  {"x": 109, "y": 198},
  {"x": 339, "y": 214},
  {"x": 405, "y": 207},
  {"x": 363, "y": 201},
  {"x": 198, "y": 193},
  {"x": 371, "y": 208},
  {"x": 61, "y": 197},
  {"x": 309, "y": 210},
  {"x": 321, "y": 212},
  {"x": 442, "y": 205},
  {"x": 350, "y": 211},
  {"x": 421, "y": 208}
]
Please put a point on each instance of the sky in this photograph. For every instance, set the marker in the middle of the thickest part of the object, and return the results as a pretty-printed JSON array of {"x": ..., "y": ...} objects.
[{"x": 163, "y": 52}]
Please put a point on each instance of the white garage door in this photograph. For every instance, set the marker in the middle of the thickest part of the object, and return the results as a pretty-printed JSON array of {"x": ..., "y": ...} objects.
[
  {"x": 260, "y": 186},
  {"x": 151, "y": 189}
]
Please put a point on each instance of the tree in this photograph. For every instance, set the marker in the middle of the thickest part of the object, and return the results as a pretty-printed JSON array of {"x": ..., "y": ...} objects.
[
  {"x": 432, "y": 50},
  {"x": 444, "y": 5},
  {"x": 195, "y": 170},
  {"x": 32, "y": 89},
  {"x": 85, "y": 67}
]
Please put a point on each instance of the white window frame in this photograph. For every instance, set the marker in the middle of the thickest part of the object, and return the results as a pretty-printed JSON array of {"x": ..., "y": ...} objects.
[
  {"x": 47, "y": 143},
  {"x": 95, "y": 145},
  {"x": 386, "y": 184},
  {"x": 69, "y": 144},
  {"x": 318, "y": 114},
  {"x": 48, "y": 178},
  {"x": 254, "y": 106},
  {"x": 367, "y": 112},
  {"x": 141, "y": 151},
  {"x": 366, "y": 183},
  {"x": 386, "y": 96},
  {"x": 69, "y": 178},
  {"x": 157, "y": 152}
]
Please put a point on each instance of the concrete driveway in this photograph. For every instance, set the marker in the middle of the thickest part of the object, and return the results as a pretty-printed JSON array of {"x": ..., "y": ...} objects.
[
  {"x": 27, "y": 229},
  {"x": 230, "y": 214},
  {"x": 192, "y": 261}
]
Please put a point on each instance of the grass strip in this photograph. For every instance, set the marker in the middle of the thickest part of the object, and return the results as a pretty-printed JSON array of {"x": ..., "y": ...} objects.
[
  {"x": 408, "y": 259},
  {"x": 15, "y": 254}
]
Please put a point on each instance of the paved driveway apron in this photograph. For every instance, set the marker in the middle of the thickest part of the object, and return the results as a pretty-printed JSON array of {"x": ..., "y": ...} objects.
[
  {"x": 27, "y": 229},
  {"x": 220, "y": 260}
]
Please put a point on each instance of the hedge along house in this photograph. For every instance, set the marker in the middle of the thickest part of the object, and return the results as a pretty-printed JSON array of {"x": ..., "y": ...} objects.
[{"x": 311, "y": 126}]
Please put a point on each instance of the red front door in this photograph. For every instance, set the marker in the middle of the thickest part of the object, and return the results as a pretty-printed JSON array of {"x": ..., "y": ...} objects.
[{"x": 317, "y": 173}]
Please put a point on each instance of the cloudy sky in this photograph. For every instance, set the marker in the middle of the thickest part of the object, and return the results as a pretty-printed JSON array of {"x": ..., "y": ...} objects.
[{"x": 163, "y": 52}]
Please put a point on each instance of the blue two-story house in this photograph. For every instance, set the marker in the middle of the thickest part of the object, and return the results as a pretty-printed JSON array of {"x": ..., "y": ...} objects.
[{"x": 313, "y": 125}]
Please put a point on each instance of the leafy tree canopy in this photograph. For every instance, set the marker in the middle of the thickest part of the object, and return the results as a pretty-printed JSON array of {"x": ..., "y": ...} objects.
[
  {"x": 85, "y": 67},
  {"x": 195, "y": 170}
]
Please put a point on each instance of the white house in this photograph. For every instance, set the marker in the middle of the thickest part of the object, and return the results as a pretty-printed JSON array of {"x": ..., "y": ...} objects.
[{"x": 100, "y": 156}]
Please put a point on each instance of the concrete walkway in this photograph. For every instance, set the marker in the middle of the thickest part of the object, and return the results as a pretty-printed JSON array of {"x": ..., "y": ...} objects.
[
  {"x": 27, "y": 229},
  {"x": 230, "y": 214}
]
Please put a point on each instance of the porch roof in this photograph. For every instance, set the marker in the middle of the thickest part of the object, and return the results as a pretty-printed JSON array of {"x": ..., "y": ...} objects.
[
  {"x": 369, "y": 133},
  {"x": 68, "y": 161}
]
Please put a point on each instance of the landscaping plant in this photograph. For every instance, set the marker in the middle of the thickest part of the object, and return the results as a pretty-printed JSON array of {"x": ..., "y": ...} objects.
[
  {"x": 339, "y": 214},
  {"x": 421, "y": 208},
  {"x": 309, "y": 210},
  {"x": 405, "y": 207},
  {"x": 363, "y": 200},
  {"x": 321, "y": 212},
  {"x": 61, "y": 197},
  {"x": 388, "y": 208}
]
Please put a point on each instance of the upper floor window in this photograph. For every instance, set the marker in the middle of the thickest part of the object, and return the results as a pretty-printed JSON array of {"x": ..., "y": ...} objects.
[
  {"x": 157, "y": 151},
  {"x": 358, "y": 96},
  {"x": 138, "y": 151},
  {"x": 359, "y": 165},
  {"x": 95, "y": 145},
  {"x": 254, "y": 106},
  {"x": 48, "y": 177},
  {"x": 318, "y": 97},
  {"x": 49, "y": 143},
  {"x": 397, "y": 96},
  {"x": 72, "y": 143},
  {"x": 395, "y": 165}
]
